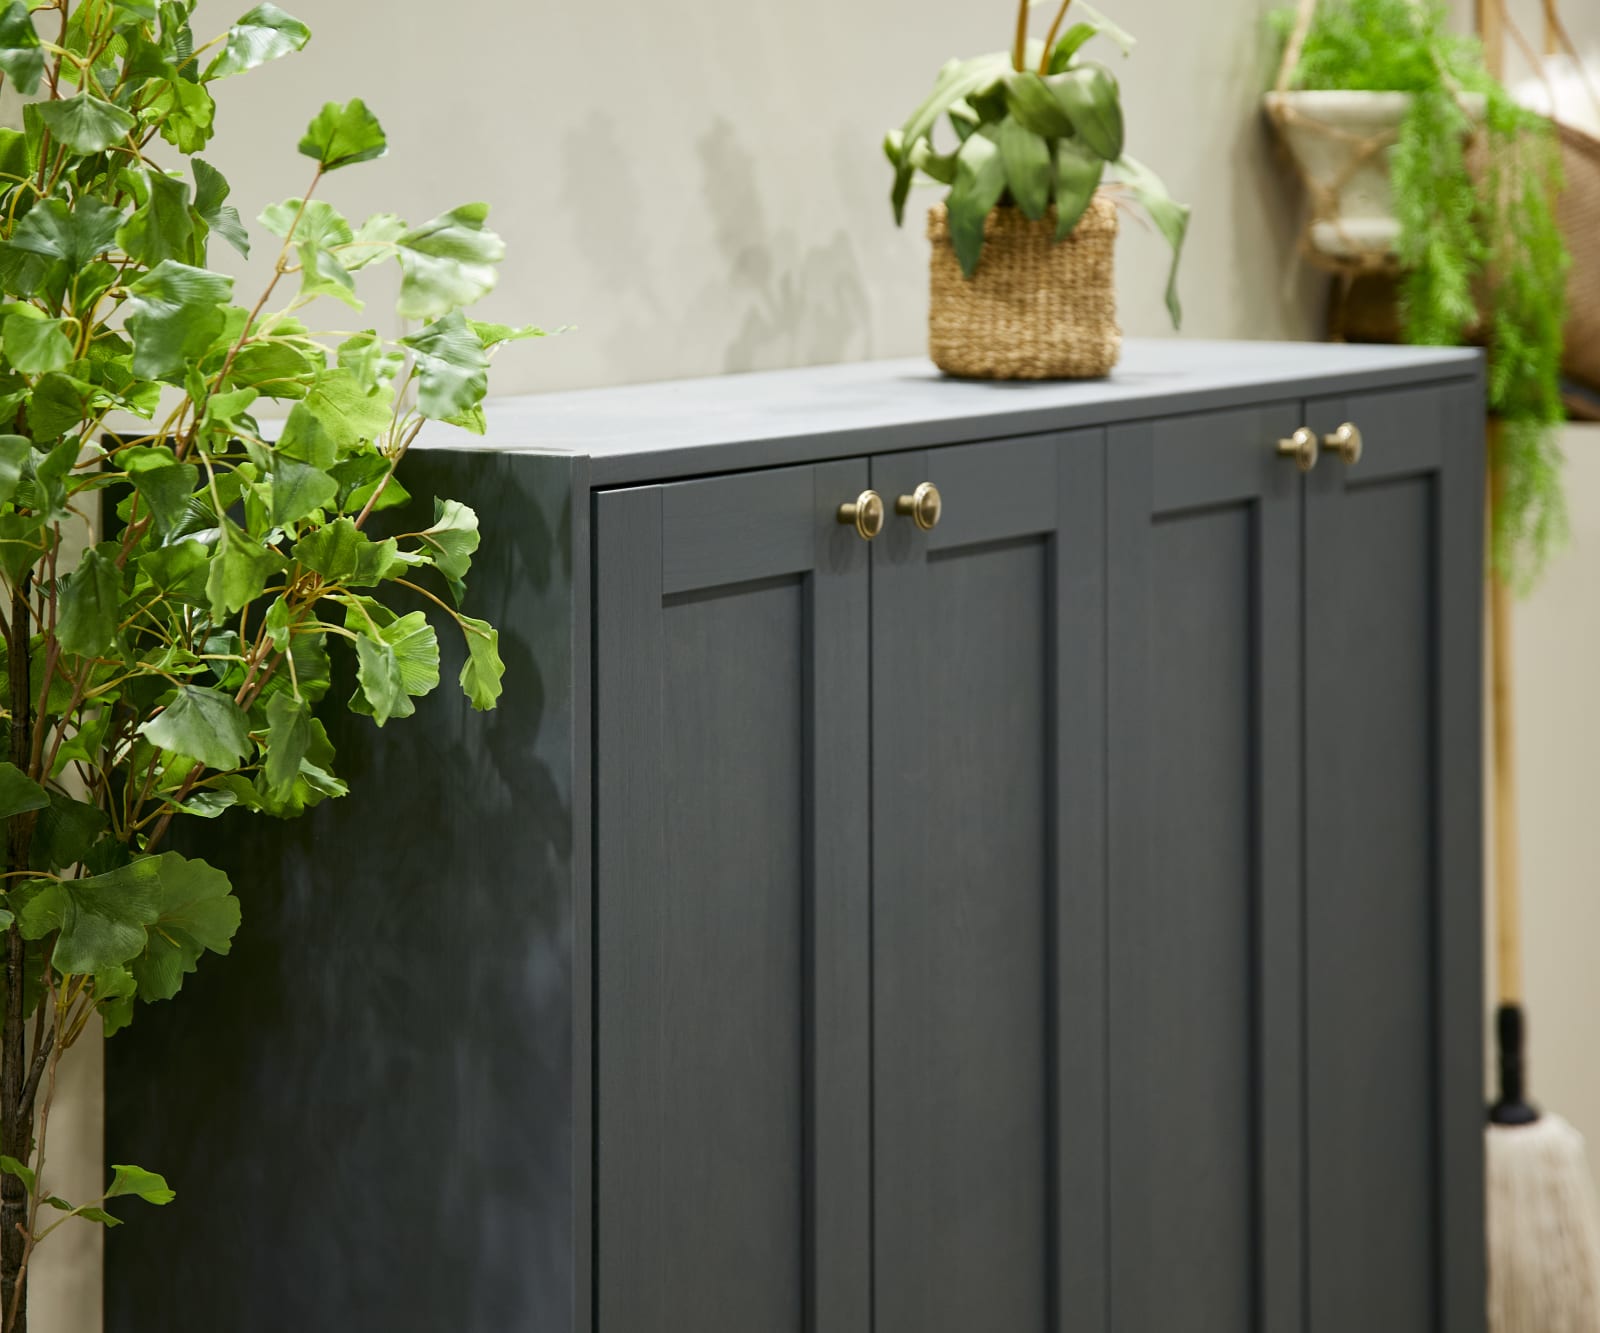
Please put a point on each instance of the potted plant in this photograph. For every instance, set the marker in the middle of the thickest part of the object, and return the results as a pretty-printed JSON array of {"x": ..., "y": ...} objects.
[
  {"x": 1021, "y": 275},
  {"x": 170, "y": 671},
  {"x": 1418, "y": 162}
]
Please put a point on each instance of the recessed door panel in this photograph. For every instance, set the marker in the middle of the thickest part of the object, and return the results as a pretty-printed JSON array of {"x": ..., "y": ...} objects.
[
  {"x": 1204, "y": 921},
  {"x": 985, "y": 898},
  {"x": 731, "y": 907}
]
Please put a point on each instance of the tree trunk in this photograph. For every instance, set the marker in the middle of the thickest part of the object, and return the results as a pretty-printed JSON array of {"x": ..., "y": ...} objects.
[{"x": 16, "y": 1120}]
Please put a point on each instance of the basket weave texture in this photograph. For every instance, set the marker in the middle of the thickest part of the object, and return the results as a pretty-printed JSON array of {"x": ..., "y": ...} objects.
[
  {"x": 1579, "y": 214},
  {"x": 1035, "y": 309}
]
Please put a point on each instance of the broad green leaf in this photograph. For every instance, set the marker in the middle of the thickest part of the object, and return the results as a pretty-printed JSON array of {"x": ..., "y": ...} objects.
[
  {"x": 60, "y": 404},
  {"x": 44, "y": 479},
  {"x": 264, "y": 34},
  {"x": 492, "y": 335},
  {"x": 452, "y": 538},
  {"x": 401, "y": 661},
  {"x": 940, "y": 166},
  {"x": 279, "y": 628},
  {"x": 114, "y": 991},
  {"x": 19, "y": 793},
  {"x": 343, "y": 553},
  {"x": 65, "y": 830},
  {"x": 1171, "y": 218},
  {"x": 85, "y": 123},
  {"x": 980, "y": 181},
  {"x": 1034, "y": 106},
  {"x": 299, "y": 489},
  {"x": 165, "y": 486},
  {"x": 162, "y": 226},
  {"x": 207, "y": 725},
  {"x": 179, "y": 571},
  {"x": 288, "y": 741},
  {"x": 36, "y": 346},
  {"x": 90, "y": 1213},
  {"x": 452, "y": 367},
  {"x": 91, "y": 602},
  {"x": 149, "y": 1186},
  {"x": 483, "y": 669},
  {"x": 75, "y": 232},
  {"x": 341, "y": 136},
  {"x": 1027, "y": 160},
  {"x": 958, "y": 80},
  {"x": 1078, "y": 172},
  {"x": 20, "y": 55},
  {"x": 173, "y": 313},
  {"x": 317, "y": 229},
  {"x": 447, "y": 263},
  {"x": 337, "y": 414},
  {"x": 1072, "y": 41},
  {"x": 240, "y": 568},
  {"x": 222, "y": 218},
  {"x": 101, "y": 920},
  {"x": 196, "y": 911},
  {"x": 23, "y": 543},
  {"x": 1090, "y": 98},
  {"x": 366, "y": 356},
  {"x": 10, "y": 1166},
  {"x": 225, "y": 409},
  {"x": 15, "y": 451},
  {"x": 185, "y": 113}
]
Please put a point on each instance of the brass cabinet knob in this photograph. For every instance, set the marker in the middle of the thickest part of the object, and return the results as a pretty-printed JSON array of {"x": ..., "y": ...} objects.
[
  {"x": 865, "y": 515},
  {"x": 923, "y": 506},
  {"x": 1302, "y": 447},
  {"x": 1346, "y": 442}
]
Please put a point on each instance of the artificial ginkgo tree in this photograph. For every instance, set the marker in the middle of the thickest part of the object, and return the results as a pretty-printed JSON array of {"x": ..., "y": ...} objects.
[{"x": 173, "y": 667}]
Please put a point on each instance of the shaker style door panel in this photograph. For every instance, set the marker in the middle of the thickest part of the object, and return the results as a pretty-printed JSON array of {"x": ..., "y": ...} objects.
[
  {"x": 1394, "y": 1151},
  {"x": 1205, "y": 881},
  {"x": 988, "y": 1055},
  {"x": 731, "y": 906}
]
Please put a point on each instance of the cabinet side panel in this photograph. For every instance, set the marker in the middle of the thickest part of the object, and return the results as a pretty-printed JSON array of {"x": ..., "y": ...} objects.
[{"x": 366, "y": 1108}]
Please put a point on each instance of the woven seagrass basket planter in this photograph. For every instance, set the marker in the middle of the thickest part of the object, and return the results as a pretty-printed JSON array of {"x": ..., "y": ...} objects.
[{"x": 1035, "y": 309}]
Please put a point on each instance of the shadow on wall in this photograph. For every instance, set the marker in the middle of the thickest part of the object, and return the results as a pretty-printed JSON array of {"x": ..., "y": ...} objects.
[
  {"x": 808, "y": 304},
  {"x": 780, "y": 303}
]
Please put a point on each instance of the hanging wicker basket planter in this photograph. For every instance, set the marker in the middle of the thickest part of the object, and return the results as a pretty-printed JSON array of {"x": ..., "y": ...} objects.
[
  {"x": 1036, "y": 308},
  {"x": 1340, "y": 142}
]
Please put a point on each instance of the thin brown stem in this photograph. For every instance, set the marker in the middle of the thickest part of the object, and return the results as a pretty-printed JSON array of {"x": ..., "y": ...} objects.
[
  {"x": 1050, "y": 37},
  {"x": 1019, "y": 51}
]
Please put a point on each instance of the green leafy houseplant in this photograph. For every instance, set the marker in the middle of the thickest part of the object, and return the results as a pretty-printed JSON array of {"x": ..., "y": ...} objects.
[
  {"x": 173, "y": 668},
  {"x": 1036, "y": 127},
  {"x": 1480, "y": 252}
]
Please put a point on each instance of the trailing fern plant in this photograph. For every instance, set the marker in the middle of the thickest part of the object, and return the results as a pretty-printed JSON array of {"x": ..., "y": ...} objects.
[{"x": 1480, "y": 252}]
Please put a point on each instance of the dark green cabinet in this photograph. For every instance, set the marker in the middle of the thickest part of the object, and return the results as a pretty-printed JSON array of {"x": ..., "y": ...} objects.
[{"x": 1060, "y": 919}]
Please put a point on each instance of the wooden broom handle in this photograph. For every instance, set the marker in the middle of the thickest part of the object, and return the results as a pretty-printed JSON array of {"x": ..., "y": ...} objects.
[{"x": 1507, "y": 868}]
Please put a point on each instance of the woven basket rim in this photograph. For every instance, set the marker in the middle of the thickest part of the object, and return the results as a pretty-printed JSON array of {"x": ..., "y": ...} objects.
[{"x": 1100, "y": 216}]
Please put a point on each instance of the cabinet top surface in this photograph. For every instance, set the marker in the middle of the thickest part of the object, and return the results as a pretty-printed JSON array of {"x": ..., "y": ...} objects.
[{"x": 678, "y": 428}]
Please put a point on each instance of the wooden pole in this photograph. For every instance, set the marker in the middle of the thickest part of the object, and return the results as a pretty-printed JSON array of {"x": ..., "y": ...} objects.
[
  {"x": 1507, "y": 852},
  {"x": 1491, "y": 19}
]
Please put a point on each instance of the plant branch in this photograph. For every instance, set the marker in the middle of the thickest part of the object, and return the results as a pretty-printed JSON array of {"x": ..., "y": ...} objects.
[
  {"x": 1019, "y": 50},
  {"x": 1050, "y": 37}
]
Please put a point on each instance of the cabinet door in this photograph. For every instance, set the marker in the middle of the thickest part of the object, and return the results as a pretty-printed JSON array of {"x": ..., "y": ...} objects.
[
  {"x": 1394, "y": 1078},
  {"x": 731, "y": 900},
  {"x": 1204, "y": 765},
  {"x": 987, "y": 927}
]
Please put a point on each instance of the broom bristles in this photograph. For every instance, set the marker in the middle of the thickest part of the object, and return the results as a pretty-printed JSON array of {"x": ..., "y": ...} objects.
[{"x": 1544, "y": 1230}]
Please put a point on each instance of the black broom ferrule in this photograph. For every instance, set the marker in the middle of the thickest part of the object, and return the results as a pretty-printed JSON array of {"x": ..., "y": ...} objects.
[{"x": 1512, "y": 1107}]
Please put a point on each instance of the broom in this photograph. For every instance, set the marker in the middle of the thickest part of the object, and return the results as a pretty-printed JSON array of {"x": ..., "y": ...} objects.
[{"x": 1543, "y": 1230}]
